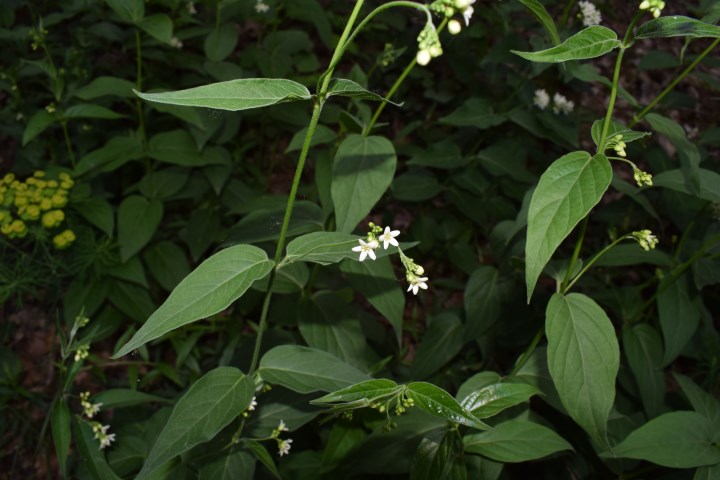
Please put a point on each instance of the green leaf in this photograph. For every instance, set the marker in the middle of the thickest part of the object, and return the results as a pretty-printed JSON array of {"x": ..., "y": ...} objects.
[
  {"x": 221, "y": 42},
  {"x": 566, "y": 193},
  {"x": 493, "y": 399},
  {"x": 102, "y": 86},
  {"x": 476, "y": 382},
  {"x": 675, "y": 439},
  {"x": 687, "y": 151},
  {"x": 363, "y": 169},
  {"x": 615, "y": 128},
  {"x": 138, "y": 219},
  {"x": 124, "y": 397},
  {"x": 475, "y": 112},
  {"x": 88, "y": 110},
  {"x": 438, "y": 456},
  {"x": 583, "y": 358},
  {"x": 261, "y": 453},
  {"x": 162, "y": 184},
  {"x": 60, "y": 426},
  {"x": 437, "y": 402},
  {"x": 167, "y": 263},
  {"x": 443, "y": 339},
  {"x": 643, "y": 349},
  {"x": 240, "y": 464},
  {"x": 679, "y": 316},
  {"x": 592, "y": 42},
  {"x": 98, "y": 212},
  {"x": 702, "y": 402},
  {"x": 538, "y": 9},
  {"x": 178, "y": 147},
  {"x": 710, "y": 472},
  {"x": 115, "y": 153},
  {"x": 516, "y": 441},
  {"x": 347, "y": 88},
  {"x": 376, "y": 280},
  {"x": 416, "y": 185},
  {"x": 207, "y": 407},
  {"x": 131, "y": 11},
  {"x": 709, "y": 188},
  {"x": 209, "y": 289},
  {"x": 234, "y": 95},
  {"x": 306, "y": 370},
  {"x": 676, "y": 26},
  {"x": 321, "y": 136},
  {"x": 360, "y": 393},
  {"x": 324, "y": 248},
  {"x": 89, "y": 449},
  {"x": 37, "y": 124},
  {"x": 482, "y": 301},
  {"x": 158, "y": 26}
]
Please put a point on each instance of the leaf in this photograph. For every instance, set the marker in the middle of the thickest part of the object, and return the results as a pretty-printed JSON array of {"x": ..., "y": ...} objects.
[
  {"x": 347, "y": 88},
  {"x": 679, "y": 317},
  {"x": 583, "y": 358},
  {"x": 324, "y": 248},
  {"x": 61, "y": 434},
  {"x": 363, "y": 392},
  {"x": 207, "y": 407},
  {"x": 675, "y": 439},
  {"x": 709, "y": 188},
  {"x": 306, "y": 370},
  {"x": 221, "y": 42},
  {"x": 105, "y": 86},
  {"x": 115, "y": 153},
  {"x": 158, "y": 26},
  {"x": 437, "y": 402},
  {"x": 124, "y": 397},
  {"x": 493, "y": 399},
  {"x": 89, "y": 449},
  {"x": 711, "y": 472},
  {"x": 88, "y": 110},
  {"x": 443, "y": 339},
  {"x": 138, "y": 219},
  {"x": 676, "y": 26},
  {"x": 643, "y": 349},
  {"x": 538, "y": 9},
  {"x": 37, "y": 124},
  {"x": 591, "y": 42},
  {"x": 98, "y": 212},
  {"x": 437, "y": 456},
  {"x": 475, "y": 112},
  {"x": 131, "y": 11},
  {"x": 482, "y": 301},
  {"x": 566, "y": 193},
  {"x": 702, "y": 402},
  {"x": 209, "y": 289},
  {"x": 416, "y": 185},
  {"x": 687, "y": 151},
  {"x": 263, "y": 455},
  {"x": 516, "y": 441},
  {"x": 363, "y": 170},
  {"x": 178, "y": 147},
  {"x": 234, "y": 95},
  {"x": 615, "y": 128},
  {"x": 321, "y": 136},
  {"x": 240, "y": 464}
]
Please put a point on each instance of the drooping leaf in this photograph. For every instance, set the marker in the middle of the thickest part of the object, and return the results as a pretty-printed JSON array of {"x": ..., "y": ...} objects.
[
  {"x": 675, "y": 439},
  {"x": 676, "y": 26},
  {"x": 615, "y": 128},
  {"x": 363, "y": 170},
  {"x": 125, "y": 397},
  {"x": 702, "y": 402},
  {"x": 98, "y": 212},
  {"x": 688, "y": 152},
  {"x": 591, "y": 42},
  {"x": 436, "y": 401},
  {"x": 493, "y": 399},
  {"x": 307, "y": 370},
  {"x": 234, "y": 95},
  {"x": 347, "y": 88},
  {"x": 538, "y": 9},
  {"x": 516, "y": 441},
  {"x": 584, "y": 359},
  {"x": 138, "y": 219},
  {"x": 643, "y": 349},
  {"x": 207, "y": 407},
  {"x": 482, "y": 301},
  {"x": 209, "y": 289},
  {"x": 709, "y": 188},
  {"x": 240, "y": 464},
  {"x": 167, "y": 263},
  {"x": 114, "y": 154},
  {"x": 567, "y": 191},
  {"x": 261, "y": 453}
]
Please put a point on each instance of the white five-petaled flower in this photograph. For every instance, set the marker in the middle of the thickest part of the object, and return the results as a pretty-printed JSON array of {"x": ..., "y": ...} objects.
[
  {"x": 366, "y": 249},
  {"x": 388, "y": 238},
  {"x": 541, "y": 99},
  {"x": 261, "y": 7},
  {"x": 284, "y": 447},
  {"x": 416, "y": 283}
]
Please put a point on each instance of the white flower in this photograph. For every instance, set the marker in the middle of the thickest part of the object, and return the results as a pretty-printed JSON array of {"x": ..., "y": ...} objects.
[
  {"x": 175, "y": 42},
  {"x": 261, "y": 7},
  {"x": 191, "y": 8},
  {"x": 106, "y": 440},
  {"x": 590, "y": 14},
  {"x": 284, "y": 447},
  {"x": 366, "y": 249},
  {"x": 467, "y": 14},
  {"x": 253, "y": 404},
  {"x": 562, "y": 104},
  {"x": 653, "y": 6},
  {"x": 423, "y": 57},
  {"x": 388, "y": 238},
  {"x": 454, "y": 27},
  {"x": 541, "y": 99},
  {"x": 646, "y": 239},
  {"x": 282, "y": 427},
  {"x": 417, "y": 282},
  {"x": 101, "y": 434}
]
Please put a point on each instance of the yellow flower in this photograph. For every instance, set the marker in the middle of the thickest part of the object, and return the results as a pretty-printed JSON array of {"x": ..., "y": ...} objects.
[
  {"x": 8, "y": 178},
  {"x": 20, "y": 201},
  {"x": 38, "y": 174},
  {"x": 59, "y": 200},
  {"x": 53, "y": 218},
  {"x": 67, "y": 184},
  {"x": 64, "y": 239},
  {"x": 32, "y": 212},
  {"x": 52, "y": 184},
  {"x": 45, "y": 204}
]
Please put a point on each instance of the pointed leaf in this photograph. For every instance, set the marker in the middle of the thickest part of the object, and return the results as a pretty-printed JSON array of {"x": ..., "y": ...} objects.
[
  {"x": 592, "y": 42},
  {"x": 438, "y": 456},
  {"x": 158, "y": 26},
  {"x": 234, "y": 95},
  {"x": 702, "y": 402},
  {"x": 207, "y": 407},
  {"x": 616, "y": 128},
  {"x": 584, "y": 359},
  {"x": 366, "y": 391},
  {"x": 442, "y": 341},
  {"x": 102, "y": 86},
  {"x": 60, "y": 426},
  {"x": 493, "y": 399},
  {"x": 482, "y": 301},
  {"x": 306, "y": 370},
  {"x": 679, "y": 317},
  {"x": 676, "y": 439},
  {"x": 324, "y": 248},
  {"x": 221, "y": 42},
  {"x": 131, "y": 11},
  {"x": 138, "y": 219},
  {"x": 566, "y": 193},
  {"x": 347, "y": 88},
  {"x": 643, "y": 349},
  {"x": 363, "y": 170},
  {"x": 436, "y": 401},
  {"x": 89, "y": 449},
  {"x": 88, "y": 110},
  {"x": 37, "y": 124},
  {"x": 676, "y": 26},
  {"x": 688, "y": 152},
  {"x": 209, "y": 289},
  {"x": 516, "y": 441},
  {"x": 709, "y": 188},
  {"x": 538, "y": 9},
  {"x": 240, "y": 464},
  {"x": 261, "y": 453}
]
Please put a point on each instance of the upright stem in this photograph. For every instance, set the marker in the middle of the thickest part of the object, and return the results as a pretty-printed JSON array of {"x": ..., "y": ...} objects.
[
  {"x": 528, "y": 351},
  {"x": 672, "y": 85},
  {"x": 339, "y": 50},
  {"x": 68, "y": 143}
]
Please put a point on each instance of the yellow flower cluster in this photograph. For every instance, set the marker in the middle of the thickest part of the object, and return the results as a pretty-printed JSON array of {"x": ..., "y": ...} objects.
[{"x": 38, "y": 198}]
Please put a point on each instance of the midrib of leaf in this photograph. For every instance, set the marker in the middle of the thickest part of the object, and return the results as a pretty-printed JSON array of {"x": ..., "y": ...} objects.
[{"x": 295, "y": 257}]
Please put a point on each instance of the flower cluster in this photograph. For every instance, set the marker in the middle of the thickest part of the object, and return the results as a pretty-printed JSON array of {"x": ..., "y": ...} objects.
[
  {"x": 250, "y": 408},
  {"x": 101, "y": 434},
  {"x": 283, "y": 445},
  {"x": 642, "y": 178},
  {"x": 560, "y": 103},
  {"x": 428, "y": 44},
  {"x": 645, "y": 239},
  {"x": 89, "y": 409},
  {"x": 653, "y": 6},
  {"x": 589, "y": 13},
  {"x": 618, "y": 145},
  {"x": 261, "y": 7},
  {"x": 36, "y": 199},
  {"x": 82, "y": 352}
]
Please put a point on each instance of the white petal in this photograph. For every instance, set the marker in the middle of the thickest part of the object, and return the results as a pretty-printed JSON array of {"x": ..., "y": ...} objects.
[
  {"x": 373, "y": 244},
  {"x": 392, "y": 242},
  {"x": 363, "y": 254},
  {"x": 372, "y": 254},
  {"x": 423, "y": 286},
  {"x": 357, "y": 249}
]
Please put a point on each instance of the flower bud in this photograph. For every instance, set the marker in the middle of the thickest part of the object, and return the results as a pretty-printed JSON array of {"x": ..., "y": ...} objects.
[
  {"x": 454, "y": 27},
  {"x": 423, "y": 57}
]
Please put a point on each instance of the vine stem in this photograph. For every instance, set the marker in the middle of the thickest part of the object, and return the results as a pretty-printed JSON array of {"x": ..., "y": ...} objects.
[
  {"x": 317, "y": 108},
  {"x": 674, "y": 83}
]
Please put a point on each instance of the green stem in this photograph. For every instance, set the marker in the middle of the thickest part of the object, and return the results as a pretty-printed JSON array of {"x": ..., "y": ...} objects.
[
  {"x": 324, "y": 79},
  {"x": 528, "y": 351},
  {"x": 566, "y": 12},
  {"x": 68, "y": 143},
  {"x": 395, "y": 86},
  {"x": 576, "y": 251},
  {"x": 593, "y": 260},
  {"x": 139, "y": 83},
  {"x": 674, "y": 83}
]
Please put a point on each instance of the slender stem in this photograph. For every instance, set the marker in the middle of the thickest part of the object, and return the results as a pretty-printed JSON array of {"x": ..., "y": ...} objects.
[
  {"x": 674, "y": 83},
  {"x": 68, "y": 143},
  {"x": 576, "y": 252},
  {"x": 324, "y": 79},
  {"x": 593, "y": 260},
  {"x": 395, "y": 86},
  {"x": 566, "y": 12},
  {"x": 139, "y": 83},
  {"x": 528, "y": 351}
]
